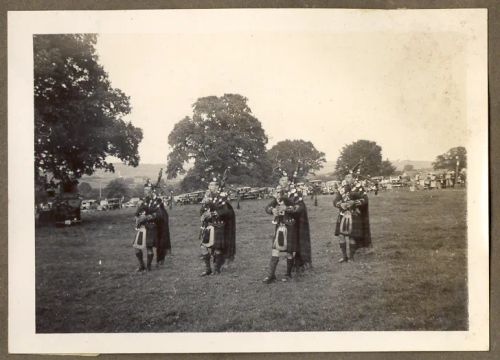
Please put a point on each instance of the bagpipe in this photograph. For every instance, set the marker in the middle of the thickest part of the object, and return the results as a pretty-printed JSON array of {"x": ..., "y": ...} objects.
[{"x": 282, "y": 195}]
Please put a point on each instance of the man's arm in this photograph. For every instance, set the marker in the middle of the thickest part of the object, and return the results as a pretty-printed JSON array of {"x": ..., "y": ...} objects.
[
  {"x": 337, "y": 200},
  {"x": 269, "y": 208},
  {"x": 294, "y": 208},
  {"x": 140, "y": 208}
]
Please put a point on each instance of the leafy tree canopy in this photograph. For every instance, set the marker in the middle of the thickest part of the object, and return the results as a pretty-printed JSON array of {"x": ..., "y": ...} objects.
[
  {"x": 408, "y": 167},
  {"x": 117, "y": 188},
  {"x": 365, "y": 150},
  {"x": 448, "y": 160},
  {"x": 290, "y": 155},
  {"x": 78, "y": 114},
  {"x": 222, "y": 132},
  {"x": 386, "y": 168},
  {"x": 84, "y": 188}
]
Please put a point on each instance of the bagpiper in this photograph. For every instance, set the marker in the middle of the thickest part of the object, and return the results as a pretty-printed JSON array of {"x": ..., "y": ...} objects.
[
  {"x": 152, "y": 227},
  {"x": 291, "y": 234},
  {"x": 353, "y": 223},
  {"x": 218, "y": 229},
  {"x": 302, "y": 258}
]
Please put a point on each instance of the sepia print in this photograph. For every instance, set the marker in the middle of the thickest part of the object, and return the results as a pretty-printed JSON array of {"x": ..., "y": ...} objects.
[{"x": 314, "y": 172}]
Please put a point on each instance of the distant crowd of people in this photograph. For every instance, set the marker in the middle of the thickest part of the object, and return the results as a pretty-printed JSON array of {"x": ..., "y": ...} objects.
[{"x": 442, "y": 180}]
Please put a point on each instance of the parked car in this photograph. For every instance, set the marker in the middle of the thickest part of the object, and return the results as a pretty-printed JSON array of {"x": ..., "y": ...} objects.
[
  {"x": 45, "y": 211},
  {"x": 103, "y": 205},
  {"x": 181, "y": 199},
  {"x": 66, "y": 209},
  {"x": 253, "y": 193},
  {"x": 89, "y": 204},
  {"x": 114, "y": 203},
  {"x": 196, "y": 197},
  {"x": 396, "y": 181},
  {"x": 132, "y": 202}
]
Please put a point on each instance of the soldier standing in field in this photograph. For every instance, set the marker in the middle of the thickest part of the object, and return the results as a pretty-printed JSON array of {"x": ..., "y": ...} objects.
[
  {"x": 218, "y": 232},
  {"x": 353, "y": 223}
]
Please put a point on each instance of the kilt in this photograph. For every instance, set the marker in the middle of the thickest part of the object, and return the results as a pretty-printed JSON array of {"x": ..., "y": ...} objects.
[
  {"x": 357, "y": 226},
  {"x": 219, "y": 243},
  {"x": 151, "y": 234},
  {"x": 145, "y": 237},
  {"x": 291, "y": 238},
  {"x": 217, "y": 231}
]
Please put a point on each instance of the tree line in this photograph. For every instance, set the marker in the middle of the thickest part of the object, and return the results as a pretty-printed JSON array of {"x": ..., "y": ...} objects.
[{"x": 79, "y": 125}]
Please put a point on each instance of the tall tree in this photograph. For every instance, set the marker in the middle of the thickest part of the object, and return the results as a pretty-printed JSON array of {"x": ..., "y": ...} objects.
[
  {"x": 78, "y": 114},
  {"x": 448, "y": 160},
  {"x": 221, "y": 132},
  {"x": 85, "y": 189},
  {"x": 117, "y": 188},
  {"x": 351, "y": 154},
  {"x": 386, "y": 168},
  {"x": 291, "y": 154},
  {"x": 408, "y": 167}
]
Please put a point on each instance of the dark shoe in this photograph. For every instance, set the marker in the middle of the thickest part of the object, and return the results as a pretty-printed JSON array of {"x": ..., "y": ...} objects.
[
  {"x": 287, "y": 278},
  {"x": 343, "y": 259},
  {"x": 140, "y": 269},
  {"x": 269, "y": 279}
]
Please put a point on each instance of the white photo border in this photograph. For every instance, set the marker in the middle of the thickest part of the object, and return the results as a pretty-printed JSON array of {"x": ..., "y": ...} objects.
[{"x": 471, "y": 23}]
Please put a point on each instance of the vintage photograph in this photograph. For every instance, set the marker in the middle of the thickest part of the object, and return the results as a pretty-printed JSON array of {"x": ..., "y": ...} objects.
[{"x": 306, "y": 177}]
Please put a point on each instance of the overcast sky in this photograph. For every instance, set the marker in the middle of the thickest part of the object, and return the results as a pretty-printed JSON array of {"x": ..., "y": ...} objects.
[{"x": 403, "y": 90}]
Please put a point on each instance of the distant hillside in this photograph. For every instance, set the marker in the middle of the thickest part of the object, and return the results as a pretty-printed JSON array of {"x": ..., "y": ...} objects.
[
  {"x": 139, "y": 174},
  {"x": 143, "y": 170},
  {"x": 417, "y": 164},
  {"x": 328, "y": 168}
]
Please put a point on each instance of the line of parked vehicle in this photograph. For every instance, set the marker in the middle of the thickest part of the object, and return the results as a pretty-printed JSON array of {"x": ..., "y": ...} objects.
[
  {"x": 243, "y": 193},
  {"x": 66, "y": 207}
]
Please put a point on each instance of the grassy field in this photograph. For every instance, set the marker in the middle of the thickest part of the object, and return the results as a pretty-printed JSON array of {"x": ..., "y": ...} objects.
[{"x": 414, "y": 277}]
